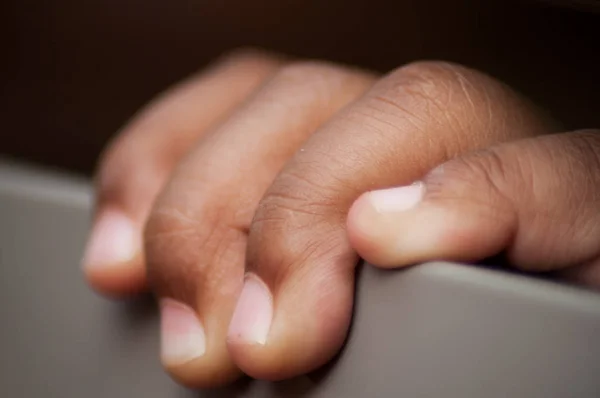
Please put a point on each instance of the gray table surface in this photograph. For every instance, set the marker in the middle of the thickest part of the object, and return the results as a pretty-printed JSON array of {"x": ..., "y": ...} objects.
[{"x": 436, "y": 330}]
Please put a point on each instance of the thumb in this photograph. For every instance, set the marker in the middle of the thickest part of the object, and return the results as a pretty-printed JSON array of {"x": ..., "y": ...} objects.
[{"x": 537, "y": 200}]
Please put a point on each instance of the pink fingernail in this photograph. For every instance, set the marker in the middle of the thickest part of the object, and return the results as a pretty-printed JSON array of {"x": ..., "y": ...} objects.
[
  {"x": 252, "y": 317},
  {"x": 113, "y": 241},
  {"x": 182, "y": 335},
  {"x": 399, "y": 199}
]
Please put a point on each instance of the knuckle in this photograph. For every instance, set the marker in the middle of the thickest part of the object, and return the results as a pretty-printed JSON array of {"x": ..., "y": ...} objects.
[
  {"x": 183, "y": 246},
  {"x": 169, "y": 239},
  {"x": 438, "y": 79},
  {"x": 292, "y": 227},
  {"x": 281, "y": 248},
  {"x": 436, "y": 93},
  {"x": 428, "y": 81},
  {"x": 293, "y": 196},
  {"x": 480, "y": 176}
]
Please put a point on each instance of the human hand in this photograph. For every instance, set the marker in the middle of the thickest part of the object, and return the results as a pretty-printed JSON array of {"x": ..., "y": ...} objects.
[{"x": 244, "y": 179}]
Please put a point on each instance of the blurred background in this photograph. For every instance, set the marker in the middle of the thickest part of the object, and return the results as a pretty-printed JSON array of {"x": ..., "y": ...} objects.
[{"x": 74, "y": 71}]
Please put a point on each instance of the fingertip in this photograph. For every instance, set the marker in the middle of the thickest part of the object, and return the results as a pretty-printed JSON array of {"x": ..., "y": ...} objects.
[
  {"x": 308, "y": 324},
  {"x": 193, "y": 349},
  {"x": 186, "y": 352},
  {"x": 249, "y": 330},
  {"x": 256, "y": 361},
  {"x": 251, "y": 320},
  {"x": 373, "y": 223},
  {"x": 362, "y": 232},
  {"x": 113, "y": 258},
  {"x": 210, "y": 370},
  {"x": 287, "y": 358},
  {"x": 122, "y": 281},
  {"x": 397, "y": 227}
]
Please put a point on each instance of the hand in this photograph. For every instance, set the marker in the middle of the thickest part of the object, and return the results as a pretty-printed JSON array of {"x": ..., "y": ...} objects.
[
  {"x": 536, "y": 199},
  {"x": 243, "y": 178}
]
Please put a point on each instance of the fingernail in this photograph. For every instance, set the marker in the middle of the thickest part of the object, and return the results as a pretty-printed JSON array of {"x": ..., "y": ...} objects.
[
  {"x": 182, "y": 335},
  {"x": 252, "y": 317},
  {"x": 113, "y": 241},
  {"x": 399, "y": 199}
]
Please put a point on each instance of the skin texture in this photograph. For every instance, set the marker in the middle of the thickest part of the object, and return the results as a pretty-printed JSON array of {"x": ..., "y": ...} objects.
[
  {"x": 249, "y": 193},
  {"x": 138, "y": 162},
  {"x": 536, "y": 199}
]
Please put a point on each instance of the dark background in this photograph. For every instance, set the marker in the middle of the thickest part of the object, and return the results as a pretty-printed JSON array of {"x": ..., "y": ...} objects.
[{"x": 73, "y": 71}]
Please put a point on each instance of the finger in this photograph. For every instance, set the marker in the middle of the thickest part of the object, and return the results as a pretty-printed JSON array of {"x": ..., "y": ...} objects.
[
  {"x": 295, "y": 308},
  {"x": 137, "y": 163},
  {"x": 534, "y": 199},
  {"x": 196, "y": 234}
]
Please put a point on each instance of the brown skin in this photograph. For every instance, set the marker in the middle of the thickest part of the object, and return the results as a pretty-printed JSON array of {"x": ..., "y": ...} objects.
[
  {"x": 206, "y": 210},
  {"x": 256, "y": 167},
  {"x": 536, "y": 199},
  {"x": 139, "y": 161}
]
